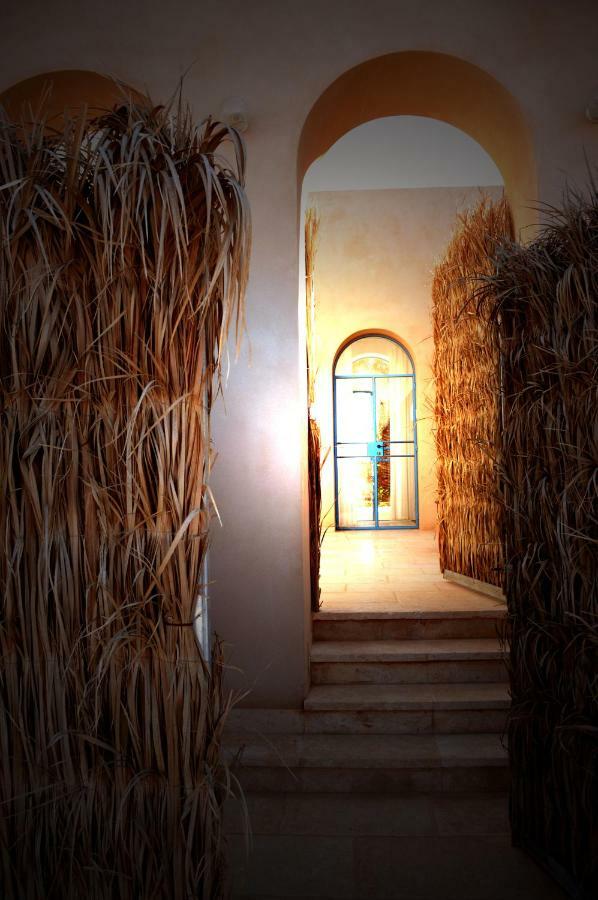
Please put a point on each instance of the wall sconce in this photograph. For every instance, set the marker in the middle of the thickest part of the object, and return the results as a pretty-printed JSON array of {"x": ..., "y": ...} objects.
[
  {"x": 592, "y": 111},
  {"x": 234, "y": 112}
]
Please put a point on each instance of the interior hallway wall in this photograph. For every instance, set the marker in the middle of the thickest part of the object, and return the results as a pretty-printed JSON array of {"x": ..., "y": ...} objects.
[
  {"x": 374, "y": 266},
  {"x": 280, "y": 57}
]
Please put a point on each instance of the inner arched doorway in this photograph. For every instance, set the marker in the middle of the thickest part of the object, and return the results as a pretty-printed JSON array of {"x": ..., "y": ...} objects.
[{"x": 375, "y": 435}]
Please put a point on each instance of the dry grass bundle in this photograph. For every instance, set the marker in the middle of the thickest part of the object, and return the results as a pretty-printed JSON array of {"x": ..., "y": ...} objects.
[
  {"x": 312, "y": 226},
  {"x": 314, "y": 464},
  {"x": 466, "y": 374},
  {"x": 314, "y": 447},
  {"x": 544, "y": 298},
  {"x": 124, "y": 255}
]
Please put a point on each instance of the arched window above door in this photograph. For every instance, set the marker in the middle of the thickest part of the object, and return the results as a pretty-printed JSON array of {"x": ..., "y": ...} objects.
[{"x": 374, "y": 355}]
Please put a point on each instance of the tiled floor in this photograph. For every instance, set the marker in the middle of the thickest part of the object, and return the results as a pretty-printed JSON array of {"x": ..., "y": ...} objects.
[
  {"x": 376, "y": 847},
  {"x": 390, "y": 571}
]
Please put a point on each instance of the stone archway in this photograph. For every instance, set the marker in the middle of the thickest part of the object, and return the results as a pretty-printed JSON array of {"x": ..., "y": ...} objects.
[
  {"x": 435, "y": 86},
  {"x": 70, "y": 90},
  {"x": 438, "y": 86}
]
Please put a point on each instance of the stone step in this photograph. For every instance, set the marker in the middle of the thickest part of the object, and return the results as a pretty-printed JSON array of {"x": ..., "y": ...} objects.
[
  {"x": 383, "y": 709},
  {"x": 408, "y": 721},
  {"x": 388, "y": 662},
  {"x": 391, "y": 626},
  {"x": 406, "y": 651},
  {"x": 392, "y": 697},
  {"x": 406, "y": 708},
  {"x": 388, "y": 763},
  {"x": 396, "y": 662},
  {"x": 244, "y": 720},
  {"x": 368, "y": 814}
]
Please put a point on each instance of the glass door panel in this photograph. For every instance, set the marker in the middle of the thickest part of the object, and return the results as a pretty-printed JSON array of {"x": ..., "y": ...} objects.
[
  {"x": 354, "y": 410},
  {"x": 396, "y": 492},
  {"x": 395, "y": 428},
  {"x": 395, "y": 423},
  {"x": 355, "y": 492},
  {"x": 354, "y": 436}
]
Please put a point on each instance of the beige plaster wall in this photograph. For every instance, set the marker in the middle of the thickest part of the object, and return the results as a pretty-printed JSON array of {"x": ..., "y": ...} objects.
[
  {"x": 373, "y": 271},
  {"x": 281, "y": 56}
]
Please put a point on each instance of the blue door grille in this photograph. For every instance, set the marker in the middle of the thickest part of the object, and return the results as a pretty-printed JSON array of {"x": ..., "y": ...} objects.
[{"x": 375, "y": 451}]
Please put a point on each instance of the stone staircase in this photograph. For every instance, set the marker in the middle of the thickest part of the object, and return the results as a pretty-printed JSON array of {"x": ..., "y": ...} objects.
[
  {"x": 442, "y": 673},
  {"x": 392, "y": 781},
  {"x": 399, "y": 702}
]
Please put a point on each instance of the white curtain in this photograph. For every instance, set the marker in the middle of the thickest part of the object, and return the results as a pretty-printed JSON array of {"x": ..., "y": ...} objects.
[
  {"x": 355, "y": 429},
  {"x": 400, "y": 391}
]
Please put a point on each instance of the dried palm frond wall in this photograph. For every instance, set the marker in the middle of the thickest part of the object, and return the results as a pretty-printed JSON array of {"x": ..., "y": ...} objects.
[
  {"x": 313, "y": 429},
  {"x": 466, "y": 375},
  {"x": 123, "y": 262},
  {"x": 544, "y": 298}
]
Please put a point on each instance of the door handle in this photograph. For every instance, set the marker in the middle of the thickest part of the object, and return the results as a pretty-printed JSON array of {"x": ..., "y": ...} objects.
[{"x": 376, "y": 448}]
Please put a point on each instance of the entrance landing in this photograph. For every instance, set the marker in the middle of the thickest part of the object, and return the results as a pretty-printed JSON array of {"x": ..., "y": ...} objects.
[
  {"x": 392, "y": 780},
  {"x": 365, "y": 572}
]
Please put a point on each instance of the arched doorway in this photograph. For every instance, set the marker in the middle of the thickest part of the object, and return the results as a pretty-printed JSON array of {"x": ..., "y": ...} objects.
[
  {"x": 70, "y": 92},
  {"x": 438, "y": 86},
  {"x": 375, "y": 435}
]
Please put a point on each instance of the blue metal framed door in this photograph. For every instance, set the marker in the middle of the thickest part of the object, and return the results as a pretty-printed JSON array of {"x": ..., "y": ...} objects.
[{"x": 375, "y": 452}]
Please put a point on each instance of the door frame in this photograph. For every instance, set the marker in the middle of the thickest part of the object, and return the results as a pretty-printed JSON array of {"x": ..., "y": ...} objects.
[{"x": 376, "y": 526}]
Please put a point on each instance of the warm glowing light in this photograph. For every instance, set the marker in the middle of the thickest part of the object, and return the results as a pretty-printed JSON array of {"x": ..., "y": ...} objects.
[{"x": 367, "y": 551}]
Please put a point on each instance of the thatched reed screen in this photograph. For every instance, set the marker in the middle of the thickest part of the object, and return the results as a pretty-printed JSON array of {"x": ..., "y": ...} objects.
[
  {"x": 544, "y": 298},
  {"x": 314, "y": 443},
  {"x": 124, "y": 260},
  {"x": 466, "y": 375}
]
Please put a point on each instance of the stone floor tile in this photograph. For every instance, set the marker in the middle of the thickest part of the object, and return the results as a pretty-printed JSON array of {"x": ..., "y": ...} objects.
[
  {"x": 448, "y": 868},
  {"x": 255, "y": 813},
  {"x": 280, "y": 866},
  {"x": 359, "y": 814},
  {"x": 404, "y": 562},
  {"x": 472, "y": 814}
]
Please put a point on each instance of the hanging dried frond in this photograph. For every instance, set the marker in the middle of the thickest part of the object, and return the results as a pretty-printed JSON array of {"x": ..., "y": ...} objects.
[
  {"x": 466, "y": 375},
  {"x": 544, "y": 300},
  {"x": 312, "y": 224},
  {"x": 123, "y": 262}
]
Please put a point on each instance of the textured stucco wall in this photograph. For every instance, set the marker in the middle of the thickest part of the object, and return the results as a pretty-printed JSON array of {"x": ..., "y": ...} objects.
[{"x": 280, "y": 57}]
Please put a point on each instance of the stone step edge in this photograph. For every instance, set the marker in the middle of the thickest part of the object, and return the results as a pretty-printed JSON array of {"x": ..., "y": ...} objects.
[
  {"x": 389, "y": 651},
  {"x": 377, "y": 615},
  {"x": 379, "y": 698},
  {"x": 355, "y": 757}
]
